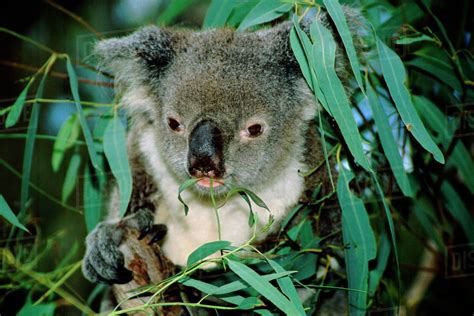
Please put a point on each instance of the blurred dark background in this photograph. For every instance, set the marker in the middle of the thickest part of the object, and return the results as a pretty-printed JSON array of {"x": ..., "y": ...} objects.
[{"x": 43, "y": 22}]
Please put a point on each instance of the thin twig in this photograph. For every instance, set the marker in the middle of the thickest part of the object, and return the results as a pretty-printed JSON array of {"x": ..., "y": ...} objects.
[
  {"x": 55, "y": 73},
  {"x": 75, "y": 17}
]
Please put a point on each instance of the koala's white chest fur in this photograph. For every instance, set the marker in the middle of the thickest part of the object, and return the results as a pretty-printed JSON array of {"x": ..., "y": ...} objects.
[{"x": 186, "y": 233}]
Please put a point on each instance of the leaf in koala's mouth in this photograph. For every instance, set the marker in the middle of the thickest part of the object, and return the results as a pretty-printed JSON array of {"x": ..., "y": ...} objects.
[{"x": 206, "y": 182}]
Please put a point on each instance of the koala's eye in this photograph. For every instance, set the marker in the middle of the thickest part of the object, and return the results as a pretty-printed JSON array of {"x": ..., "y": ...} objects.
[
  {"x": 174, "y": 125},
  {"x": 255, "y": 130}
]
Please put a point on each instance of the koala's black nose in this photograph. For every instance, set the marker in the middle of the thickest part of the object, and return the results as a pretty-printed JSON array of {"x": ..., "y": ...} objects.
[{"x": 205, "y": 156}]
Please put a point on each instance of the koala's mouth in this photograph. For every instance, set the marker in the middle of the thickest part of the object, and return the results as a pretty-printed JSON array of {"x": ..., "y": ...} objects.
[{"x": 208, "y": 182}]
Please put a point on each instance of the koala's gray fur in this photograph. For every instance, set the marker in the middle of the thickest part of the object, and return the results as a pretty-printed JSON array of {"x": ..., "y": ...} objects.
[{"x": 233, "y": 79}]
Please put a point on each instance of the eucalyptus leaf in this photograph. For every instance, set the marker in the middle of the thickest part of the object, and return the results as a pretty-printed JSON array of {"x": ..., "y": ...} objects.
[
  {"x": 324, "y": 53},
  {"x": 85, "y": 128},
  {"x": 116, "y": 152},
  {"x": 264, "y": 11},
  {"x": 8, "y": 214},
  {"x": 218, "y": 13},
  {"x": 394, "y": 74},
  {"x": 388, "y": 142},
  {"x": 65, "y": 139},
  {"x": 359, "y": 240},
  {"x": 206, "y": 250},
  {"x": 263, "y": 287},
  {"x": 71, "y": 177},
  {"x": 17, "y": 107}
]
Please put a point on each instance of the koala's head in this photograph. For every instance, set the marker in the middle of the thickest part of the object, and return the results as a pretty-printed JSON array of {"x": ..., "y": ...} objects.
[{"x": 221, "y": 104}]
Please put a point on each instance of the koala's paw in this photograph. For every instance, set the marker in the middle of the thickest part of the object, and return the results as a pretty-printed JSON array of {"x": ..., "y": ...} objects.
[{"x": 103, "y": 261}]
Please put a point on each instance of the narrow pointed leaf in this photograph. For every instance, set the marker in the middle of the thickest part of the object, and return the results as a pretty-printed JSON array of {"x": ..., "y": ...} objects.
[
  {"x": 264, "y": 11},
  {"x": 388, "y": 142},
  {"x": 262, "y": 286},
  {"x": 82, "y": 119},
  {"x": 116, "y": 152},
  {"x": 92, "y": 198},
  {"x": 324, "y": 53},
  {"x": 287, "y": 287},
  {"x": 359, "y": 241},
  {"x": 71, "y": 177},
  {"x": 8, "y": 214},
  {"x": 206, "y": 250},
  {"x": 339, "y": 19},
  {"x": 394, "y": 74},
  {"x": 67, "y": 135},
  {"x": 17, "y": 107},
  {"x": 186, "y": 184},
  {"x": 383, "y": 253},
  {"x": 218, "y": 13}
]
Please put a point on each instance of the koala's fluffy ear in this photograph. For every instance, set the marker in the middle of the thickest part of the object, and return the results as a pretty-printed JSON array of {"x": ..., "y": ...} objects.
[{"x": 150, "y": 47}]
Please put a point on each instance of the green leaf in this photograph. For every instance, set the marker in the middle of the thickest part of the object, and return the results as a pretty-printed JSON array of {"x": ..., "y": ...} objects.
[
  {"x": 8, "y": 214},
  {"x": 17, "y": 107},
  {"x": 458, "y": 210},
  {"x": 422, "y": 209},
  {"x": 71, "y": 177},
  {"x": 206, "y": 250},
  {"x": 406, "y": 40},
  {"x": 383, "y": 253},
  {"x": 186, "y": 184},
  {"x": 46, "y": 309},
  {"x": 359, "y": 241},
  {"x": 442, "y": 70},
  {"x": 300, "y": 55},
  {"x": 92, "y": 198},
  {"x": 210, "y": 288},
  {"x": 241, "y": 10},
  {"x": 462, "y": 160},
  {"x": 173, "y": 10},
  {"x": 394, "y": 74},
  {"x": 324, "y": 53},
  {"x": 249, "y": 303},
  {"x": 264, "y": 11},
  {"x": 116, "y": 152},
  {"x": 30, "y": 143},
  {"x": 85, "y": 128},
  {"x": 339, "y": 19},
  {"x": 240, "y": 285},
  {"x": 218, "y": 13},
  {"x": 435, "y": 120},
  {"x": 388, "y": 142},
  {"x": 287, "y": 287},
  {"x": 263, "y": 287},
  {"x": 67, "y": 135}
]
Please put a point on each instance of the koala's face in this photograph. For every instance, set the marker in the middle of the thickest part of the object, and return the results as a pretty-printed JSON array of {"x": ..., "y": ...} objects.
[{"x": 226, "y": 106}]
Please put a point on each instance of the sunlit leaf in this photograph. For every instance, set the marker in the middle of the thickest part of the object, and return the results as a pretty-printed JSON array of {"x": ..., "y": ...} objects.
[
  {"x": 337, "y": 15},
  {"x": 116, "y": 152},
  {"x": 218, "y": 13},
  {"x": 173, "y": 10},
  {"x": 85, "y": 128},
  {"x": 388, "y": 142},
  {"x": 359, "y": 241},
  {"x": 206, "y": 250},
  {"x": 71, "y": 176},
  {"x": 67, "y": 135},
  {"x": 264, "y": 11},
  {"x": 262, "y": 286},
  {"x": 17, "y": 107},
  {"x": 186, "y": 184},
  {"x": 8, "y": 214},
  {"x": 394, "y": 74},
  {"x": 324, "y": 53}
]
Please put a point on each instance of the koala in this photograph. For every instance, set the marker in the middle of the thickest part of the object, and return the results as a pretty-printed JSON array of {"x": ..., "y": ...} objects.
[{"x": 231, "y": 107}]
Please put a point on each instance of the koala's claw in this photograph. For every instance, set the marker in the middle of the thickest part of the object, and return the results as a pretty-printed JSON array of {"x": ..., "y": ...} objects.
[
  {"x": 103, "y": 261},
  {"x": 159, "y": 232}
]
